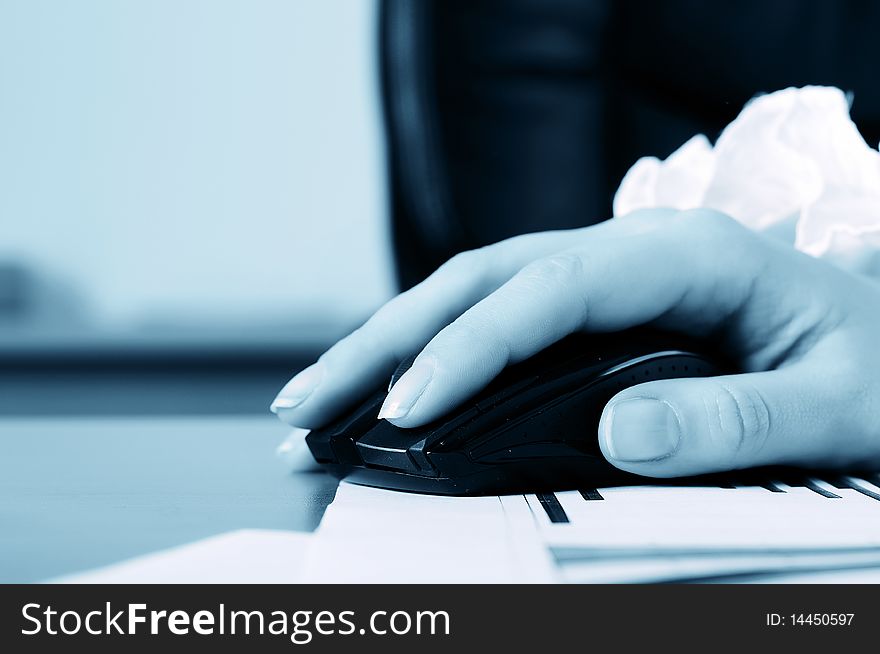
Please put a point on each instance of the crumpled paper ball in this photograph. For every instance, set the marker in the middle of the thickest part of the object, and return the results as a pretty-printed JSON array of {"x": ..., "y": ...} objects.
[{"x": 792, "y": 165}]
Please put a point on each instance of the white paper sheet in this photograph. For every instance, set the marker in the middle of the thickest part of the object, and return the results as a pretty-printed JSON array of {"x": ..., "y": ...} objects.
[
  {"x": 373, "y": 535},
  {"x": 715, "y": 518},
  {"x": 245, "y": 556},
  {"x": 633, "y": 534}
]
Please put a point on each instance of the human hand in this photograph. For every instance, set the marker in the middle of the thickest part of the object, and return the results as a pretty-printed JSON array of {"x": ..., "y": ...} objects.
[{"x": 803, "y": 331}]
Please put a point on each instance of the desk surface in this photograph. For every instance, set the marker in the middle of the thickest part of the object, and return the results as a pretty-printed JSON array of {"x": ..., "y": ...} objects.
[{"x": 77, "y": 493}]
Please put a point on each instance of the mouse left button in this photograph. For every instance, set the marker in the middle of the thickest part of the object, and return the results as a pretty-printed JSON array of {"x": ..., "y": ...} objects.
[
  {"x": 334, "y": 443},
  {"x": 328, "y": 447},
  {"x": 319, "y": 444}
]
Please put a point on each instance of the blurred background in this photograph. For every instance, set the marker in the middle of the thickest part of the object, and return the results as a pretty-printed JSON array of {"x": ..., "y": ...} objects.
[
  {"x": 193, "y": 199},
  {"x": 193, "y": 193}
]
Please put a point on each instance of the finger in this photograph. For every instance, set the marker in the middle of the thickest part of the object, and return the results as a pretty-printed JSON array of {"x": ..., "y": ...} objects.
[
  {"x": 790, "y": 416},
  {"x": 621, "y": 278},
  {"x": 365, "y": 359}
]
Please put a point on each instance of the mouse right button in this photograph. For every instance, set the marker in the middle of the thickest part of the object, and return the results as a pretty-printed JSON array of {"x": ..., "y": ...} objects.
[{"x": 527, "y": 451}]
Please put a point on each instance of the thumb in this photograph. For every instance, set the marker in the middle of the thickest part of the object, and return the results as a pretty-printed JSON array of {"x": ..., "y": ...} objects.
[{"x": 684, "y": 427}]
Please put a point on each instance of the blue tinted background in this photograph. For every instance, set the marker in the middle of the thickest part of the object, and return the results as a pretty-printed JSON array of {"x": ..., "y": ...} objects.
[{"x": 210, "y": 164}]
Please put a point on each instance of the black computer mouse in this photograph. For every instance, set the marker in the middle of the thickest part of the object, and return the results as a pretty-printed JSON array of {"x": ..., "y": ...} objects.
[{"x": 533, "y": 429}]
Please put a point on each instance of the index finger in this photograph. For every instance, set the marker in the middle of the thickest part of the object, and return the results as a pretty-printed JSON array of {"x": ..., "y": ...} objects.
[{"x": 364, "y": 360}]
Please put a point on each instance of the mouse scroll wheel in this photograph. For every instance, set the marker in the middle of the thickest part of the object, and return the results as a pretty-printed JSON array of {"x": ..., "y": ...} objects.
[{"x": 405, "y": 365}]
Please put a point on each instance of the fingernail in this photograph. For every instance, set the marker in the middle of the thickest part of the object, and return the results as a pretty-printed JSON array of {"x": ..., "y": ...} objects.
[
  {"x": 641, "y": 429},
  {"x": 298, "y": 389},
  {"x": 406, "y": 392}
]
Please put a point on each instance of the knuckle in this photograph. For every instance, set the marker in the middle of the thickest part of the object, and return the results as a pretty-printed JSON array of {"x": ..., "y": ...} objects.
[
  {"x": 654, "y": 217},
  {"x": 467, "y": 262},
  {"x": 366, "y": 338},
  {"x": 459, "y": 334},
  {"x": 707, "y": 223},
  {"x": 713, "y": 241},
  {"x": 337, "y": 353},
  {"x": 740, "y": 419},
  {"x": 648, "y": 214},
  {"x": 388, "y": 314},
  {"x": 562, "y": 276},
  {"x": 565, "y": 268},
  {"x": 467, "y": 337}
]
